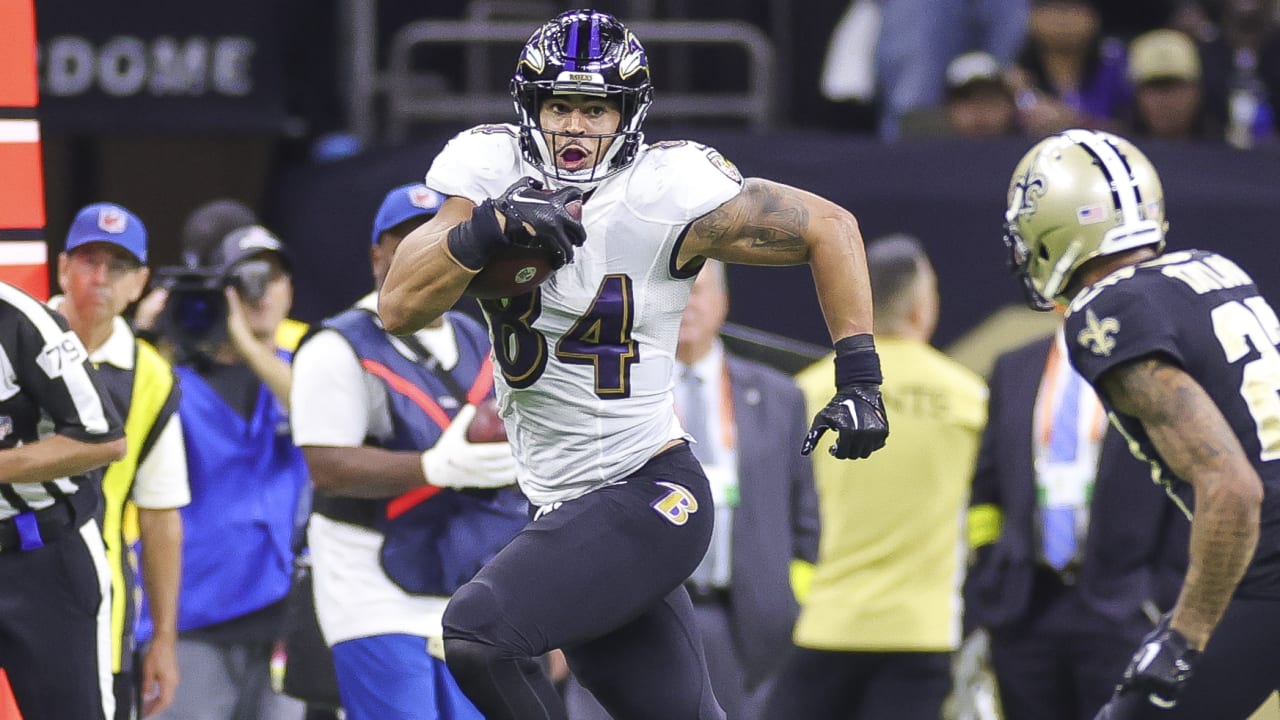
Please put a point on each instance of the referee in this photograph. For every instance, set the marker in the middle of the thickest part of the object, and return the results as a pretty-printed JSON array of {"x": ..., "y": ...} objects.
[{"x": 55, "y": 426}]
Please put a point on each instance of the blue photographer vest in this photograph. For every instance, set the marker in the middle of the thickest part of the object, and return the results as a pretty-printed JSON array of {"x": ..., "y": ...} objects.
[
  {"x": 246, "y": 480},
  {"x": 418, "y": 414},
  {"x": 434, "y": 539}
]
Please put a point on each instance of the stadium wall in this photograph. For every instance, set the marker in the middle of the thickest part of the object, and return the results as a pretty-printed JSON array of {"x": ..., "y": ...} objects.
[{"x": 951, "y": 194}]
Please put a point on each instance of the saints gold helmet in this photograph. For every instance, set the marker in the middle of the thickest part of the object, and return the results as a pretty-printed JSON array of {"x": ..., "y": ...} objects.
[{"x": 1075, "y": 196}]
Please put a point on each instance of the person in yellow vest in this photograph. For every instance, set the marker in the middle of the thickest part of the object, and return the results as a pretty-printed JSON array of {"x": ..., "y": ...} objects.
[
  {"x": 882, "y": 615},
  {"x": 103, "y": 270}
]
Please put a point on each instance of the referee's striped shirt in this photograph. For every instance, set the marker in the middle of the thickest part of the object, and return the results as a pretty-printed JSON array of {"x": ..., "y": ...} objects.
[{"x": 47, "y": 386}]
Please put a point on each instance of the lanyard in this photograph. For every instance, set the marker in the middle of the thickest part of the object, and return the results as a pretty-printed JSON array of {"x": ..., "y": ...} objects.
[{"x": 1057, "y": 372}]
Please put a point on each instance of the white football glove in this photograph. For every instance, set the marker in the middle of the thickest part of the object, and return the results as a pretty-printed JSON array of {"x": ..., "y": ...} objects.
[{"x": 455, "y": 463}]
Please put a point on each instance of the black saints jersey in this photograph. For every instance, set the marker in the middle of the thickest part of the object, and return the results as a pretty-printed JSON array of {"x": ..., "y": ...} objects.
[
  {"x": 47, "y": 386},
  {"x": 1202, "y": 312}
]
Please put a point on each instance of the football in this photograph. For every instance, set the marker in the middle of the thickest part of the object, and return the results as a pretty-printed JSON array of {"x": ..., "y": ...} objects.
[
  {"x": 518, "y": 268},
  {"x": 515, "y": 270},
  {"x": 486, "y": 426}
]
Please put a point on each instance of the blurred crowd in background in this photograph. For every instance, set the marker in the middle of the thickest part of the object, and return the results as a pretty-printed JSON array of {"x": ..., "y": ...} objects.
[
  {"x": 238, "y": 94},
  {"x": 1194, "y": 71}
]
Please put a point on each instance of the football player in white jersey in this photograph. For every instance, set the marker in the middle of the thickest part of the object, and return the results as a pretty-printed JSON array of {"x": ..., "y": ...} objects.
[{"x": 585, "y": 363}]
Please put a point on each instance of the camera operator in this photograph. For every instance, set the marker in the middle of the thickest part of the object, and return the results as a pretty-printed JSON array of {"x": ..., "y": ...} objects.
[
  {"x": 200, "y": 241},
  {"x": 246, "y": 475},
  {"x": 226, "y": 314},
  {"x": 202, "y": 235}
]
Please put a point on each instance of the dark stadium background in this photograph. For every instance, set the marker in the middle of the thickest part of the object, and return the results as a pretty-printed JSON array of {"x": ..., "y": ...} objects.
[{"x": 262, "y": 115}]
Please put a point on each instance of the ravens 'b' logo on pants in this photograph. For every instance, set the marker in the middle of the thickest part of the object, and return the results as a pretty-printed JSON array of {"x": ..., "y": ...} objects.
[{"x": 676, "y": 505}]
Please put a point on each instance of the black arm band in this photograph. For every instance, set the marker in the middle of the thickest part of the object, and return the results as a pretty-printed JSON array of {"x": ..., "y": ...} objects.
[
  {"x": 857, "y": 362},
  {"x": 474, "y": 241}
]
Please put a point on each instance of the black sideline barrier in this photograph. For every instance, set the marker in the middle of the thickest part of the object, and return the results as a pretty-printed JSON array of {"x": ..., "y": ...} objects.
[{"x": 949, "y": 193}]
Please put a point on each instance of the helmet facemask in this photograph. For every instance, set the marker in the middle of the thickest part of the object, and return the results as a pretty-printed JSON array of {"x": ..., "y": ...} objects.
[
  {"x": 590, "y": 54},
  {"x": 1021, "y": 198}
]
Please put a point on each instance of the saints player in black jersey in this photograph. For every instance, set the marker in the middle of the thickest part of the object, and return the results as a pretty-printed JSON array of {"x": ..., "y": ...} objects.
[{"x": 1183, "y": 351}]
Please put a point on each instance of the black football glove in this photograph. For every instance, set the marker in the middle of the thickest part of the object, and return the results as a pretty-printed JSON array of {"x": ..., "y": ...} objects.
[
  {"x": 526, "y": 205},
  {"x": 856, "y": 414},
  {"x": 1158, "y": 672},
  {"x": 472, "y": 242}
]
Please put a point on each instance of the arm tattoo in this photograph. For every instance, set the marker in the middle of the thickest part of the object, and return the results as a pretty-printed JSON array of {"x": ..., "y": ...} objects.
[
  {"x": 1196, "y": 442},
  {"x": 1163, "y": 397},
  {"x": 766, "y": 221}
]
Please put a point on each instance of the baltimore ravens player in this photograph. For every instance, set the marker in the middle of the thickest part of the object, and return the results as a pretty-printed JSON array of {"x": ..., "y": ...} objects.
[
  {"x": 584, "y": 366},
  {"x": 1183, "y": 351}
]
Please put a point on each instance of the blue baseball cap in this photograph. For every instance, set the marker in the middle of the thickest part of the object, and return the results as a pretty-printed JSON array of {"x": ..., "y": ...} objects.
[
  {"x": 405, "y": 202},
  {"x": 111, "y": 223}
]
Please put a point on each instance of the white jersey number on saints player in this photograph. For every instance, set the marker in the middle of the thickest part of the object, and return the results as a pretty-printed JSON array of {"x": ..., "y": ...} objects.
[{"x": 1239, "y": 325}]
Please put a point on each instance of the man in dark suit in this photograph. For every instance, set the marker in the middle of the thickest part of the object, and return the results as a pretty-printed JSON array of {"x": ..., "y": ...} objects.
[
  {"x": 740, "y": 414},
  {"x": 1077, "y": 552}
]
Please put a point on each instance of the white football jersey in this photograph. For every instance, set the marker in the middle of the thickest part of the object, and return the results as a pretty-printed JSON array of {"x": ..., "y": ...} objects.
[{"x": 584, "y": 364}]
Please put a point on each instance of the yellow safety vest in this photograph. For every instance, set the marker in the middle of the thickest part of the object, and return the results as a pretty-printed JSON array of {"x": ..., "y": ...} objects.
[{"x": 153, "y": 386}]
